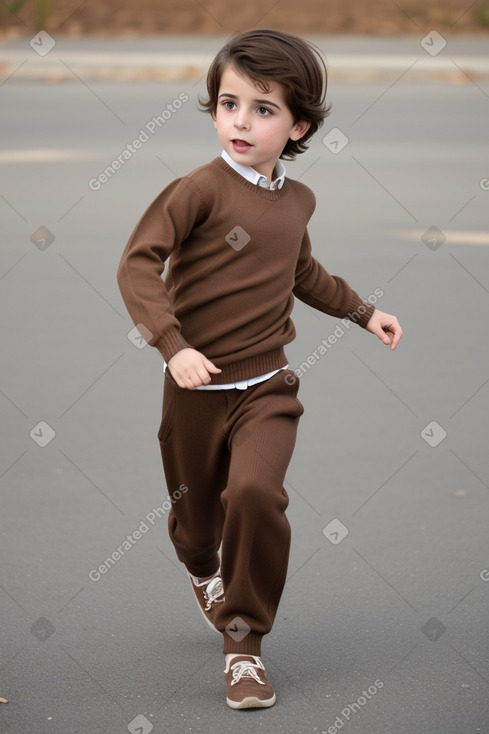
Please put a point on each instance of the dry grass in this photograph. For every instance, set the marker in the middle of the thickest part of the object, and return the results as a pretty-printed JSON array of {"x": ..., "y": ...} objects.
[{"x": 217, "y": 17}]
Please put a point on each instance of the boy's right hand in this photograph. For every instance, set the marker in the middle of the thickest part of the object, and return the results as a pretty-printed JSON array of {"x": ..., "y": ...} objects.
[{"x": 190, "y": 369}]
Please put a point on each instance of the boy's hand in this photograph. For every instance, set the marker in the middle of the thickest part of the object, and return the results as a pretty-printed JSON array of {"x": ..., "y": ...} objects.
[
  {"x": 190, "y": 369},
  {"x": 386, "y": 327}
]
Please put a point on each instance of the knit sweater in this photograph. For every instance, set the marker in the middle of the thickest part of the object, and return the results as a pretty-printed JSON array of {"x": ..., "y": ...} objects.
[{"x": 236, "y": 256}]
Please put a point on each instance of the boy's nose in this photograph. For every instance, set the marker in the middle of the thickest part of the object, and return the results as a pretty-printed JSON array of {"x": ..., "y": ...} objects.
[{"x": 241, "y": 121}]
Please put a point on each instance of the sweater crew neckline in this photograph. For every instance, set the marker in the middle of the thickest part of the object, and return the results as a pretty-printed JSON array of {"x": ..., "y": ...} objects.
[{"x": 270, "y": 194}]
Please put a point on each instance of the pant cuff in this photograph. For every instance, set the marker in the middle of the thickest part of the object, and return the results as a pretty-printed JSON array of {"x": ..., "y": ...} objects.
[
  {"x": 249, "y": 645},
  {"x": 206, "y": 570}
]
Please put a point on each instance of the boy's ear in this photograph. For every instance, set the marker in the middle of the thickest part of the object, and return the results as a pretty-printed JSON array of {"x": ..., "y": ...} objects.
[{"x": 300, "y": 128}]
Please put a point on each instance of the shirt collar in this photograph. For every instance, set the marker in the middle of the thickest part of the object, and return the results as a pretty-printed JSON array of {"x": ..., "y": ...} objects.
[{"x": 253, "y": 176}]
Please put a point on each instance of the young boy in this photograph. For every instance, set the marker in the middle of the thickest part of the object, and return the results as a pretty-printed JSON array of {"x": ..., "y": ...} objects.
[{"x": 234, "y": 234}]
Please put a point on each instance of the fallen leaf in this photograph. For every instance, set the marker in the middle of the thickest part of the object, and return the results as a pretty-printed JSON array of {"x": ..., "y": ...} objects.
[{"x": 3, "y": 700}]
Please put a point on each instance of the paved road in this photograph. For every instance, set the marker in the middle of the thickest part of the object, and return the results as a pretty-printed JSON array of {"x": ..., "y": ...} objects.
[
  {"x": 382, "y": 629},
  {"x": 426, "y": 55}
]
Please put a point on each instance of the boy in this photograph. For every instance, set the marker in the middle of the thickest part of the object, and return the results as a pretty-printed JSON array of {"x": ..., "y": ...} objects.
[{"x": 234, "y": 233}]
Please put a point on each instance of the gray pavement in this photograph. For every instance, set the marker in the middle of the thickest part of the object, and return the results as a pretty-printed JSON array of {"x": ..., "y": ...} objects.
[
  {"x": 382, "y": 628},
  {"x": 425, "y": 56}
]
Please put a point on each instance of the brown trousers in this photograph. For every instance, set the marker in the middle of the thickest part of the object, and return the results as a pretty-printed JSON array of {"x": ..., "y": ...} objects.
[{"x": 231, "y": 449}]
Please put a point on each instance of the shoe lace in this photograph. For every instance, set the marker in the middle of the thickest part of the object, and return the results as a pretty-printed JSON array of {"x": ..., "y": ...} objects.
[
  {"x": 247, "y": 669},
  {"x": 212, "y": 593}
]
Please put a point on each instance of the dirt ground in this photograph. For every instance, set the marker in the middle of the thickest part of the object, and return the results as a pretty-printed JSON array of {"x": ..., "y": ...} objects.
[{"x": 214, "y": 17}]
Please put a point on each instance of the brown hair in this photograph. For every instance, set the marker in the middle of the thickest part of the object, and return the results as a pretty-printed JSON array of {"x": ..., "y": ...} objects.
[{"x": 270, "y": 55}]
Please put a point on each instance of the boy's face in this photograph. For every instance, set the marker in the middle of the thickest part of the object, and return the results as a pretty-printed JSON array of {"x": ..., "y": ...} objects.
[{"x": 254, "y": 126}]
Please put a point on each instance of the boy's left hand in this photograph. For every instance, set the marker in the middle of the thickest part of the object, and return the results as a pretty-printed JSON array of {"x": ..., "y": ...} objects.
[{"x": 386, "y": 327}]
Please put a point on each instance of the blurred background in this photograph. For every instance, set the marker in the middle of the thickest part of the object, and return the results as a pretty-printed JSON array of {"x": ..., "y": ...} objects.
[
  {"x": 223, "y": 16},
  {"x": 392, "y": 445}
]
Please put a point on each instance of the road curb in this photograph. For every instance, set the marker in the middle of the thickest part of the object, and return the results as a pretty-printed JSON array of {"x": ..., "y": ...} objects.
[{"x": 119, "y": 67}]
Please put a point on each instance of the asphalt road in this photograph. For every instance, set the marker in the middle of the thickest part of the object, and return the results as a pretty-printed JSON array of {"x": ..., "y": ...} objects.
[{"x": 383, "y": 623}]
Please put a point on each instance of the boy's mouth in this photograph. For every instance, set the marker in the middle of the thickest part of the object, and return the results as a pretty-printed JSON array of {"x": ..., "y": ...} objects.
[{"x": 241, "y": 146}]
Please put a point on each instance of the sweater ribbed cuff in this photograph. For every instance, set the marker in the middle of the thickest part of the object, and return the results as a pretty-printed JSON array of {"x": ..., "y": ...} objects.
[
  {"x": 360, "y": 312},
  {"x": 249, "y": 645},
  {"x": 171, "y": 343}
]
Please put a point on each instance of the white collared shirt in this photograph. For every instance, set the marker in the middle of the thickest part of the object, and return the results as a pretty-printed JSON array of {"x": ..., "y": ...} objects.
[
  {"x": 257, "y": 178},
  {"x": 260, "y": 180}
]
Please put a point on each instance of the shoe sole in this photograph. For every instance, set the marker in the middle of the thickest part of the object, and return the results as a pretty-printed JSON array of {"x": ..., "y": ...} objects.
[
  {"x": 201, "y": 610},
  {"x": 251, "y": 702}
]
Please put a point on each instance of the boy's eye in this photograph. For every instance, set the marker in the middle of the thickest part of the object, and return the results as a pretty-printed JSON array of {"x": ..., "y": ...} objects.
[
  {"x": 228, "y": 104},
  {"x": 264, "y": 111}
]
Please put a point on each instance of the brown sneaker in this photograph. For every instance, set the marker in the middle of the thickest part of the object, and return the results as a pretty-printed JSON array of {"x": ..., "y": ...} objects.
[
  {"x": 208, "y": 596},
  {"x": 248, "y": 687}
]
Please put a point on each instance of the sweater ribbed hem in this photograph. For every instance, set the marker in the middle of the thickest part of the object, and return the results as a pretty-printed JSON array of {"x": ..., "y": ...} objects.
[
  {"x": 249, "y": 645},
  {"x": 244, "y": 369}
]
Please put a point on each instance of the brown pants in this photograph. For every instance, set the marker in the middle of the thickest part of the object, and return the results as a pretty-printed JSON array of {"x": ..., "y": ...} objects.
[{"x": 231, "y": 448}]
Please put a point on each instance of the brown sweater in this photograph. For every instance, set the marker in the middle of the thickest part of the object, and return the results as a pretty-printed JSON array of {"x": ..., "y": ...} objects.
[{"x": 237, "y": 255}]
